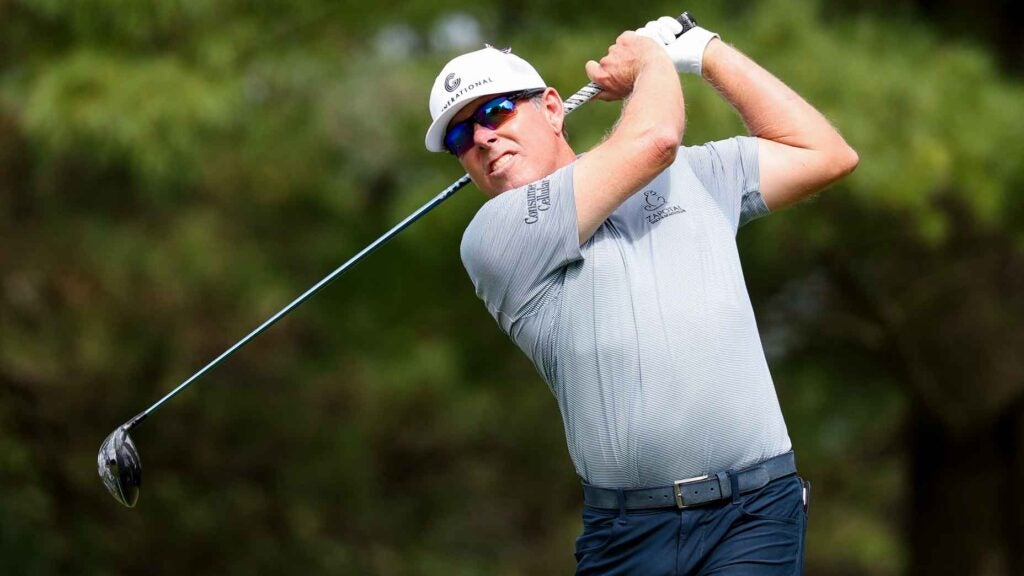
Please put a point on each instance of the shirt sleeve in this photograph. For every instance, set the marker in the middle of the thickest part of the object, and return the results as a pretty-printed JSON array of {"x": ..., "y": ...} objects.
[
  {"x": 519, "y": 243},
  {"x": 728, "y": 169}
]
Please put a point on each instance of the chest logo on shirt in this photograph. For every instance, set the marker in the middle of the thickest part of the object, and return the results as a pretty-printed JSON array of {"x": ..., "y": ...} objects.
[
  {"x": 653, "y": 200},
  {"x": 655, "y": 204},
  {"x": 538, "y": 199}
]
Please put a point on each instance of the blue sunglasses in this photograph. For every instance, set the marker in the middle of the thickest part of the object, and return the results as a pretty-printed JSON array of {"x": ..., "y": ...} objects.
[{"x": 491, "y": 114}]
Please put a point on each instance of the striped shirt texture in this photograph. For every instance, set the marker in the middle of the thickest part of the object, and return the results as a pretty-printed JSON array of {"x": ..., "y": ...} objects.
[{"x": 645, "y": 334}]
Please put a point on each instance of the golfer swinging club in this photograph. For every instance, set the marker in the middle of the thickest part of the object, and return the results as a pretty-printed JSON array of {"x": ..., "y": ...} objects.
[{"x": 617, "y": 273}]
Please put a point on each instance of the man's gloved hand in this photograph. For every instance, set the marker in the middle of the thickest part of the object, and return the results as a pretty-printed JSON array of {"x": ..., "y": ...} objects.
[{"x": 687, "y": 51}]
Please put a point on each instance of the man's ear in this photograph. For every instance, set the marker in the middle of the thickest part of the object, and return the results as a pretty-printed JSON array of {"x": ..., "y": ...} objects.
[{"x": 553, "y": 110}]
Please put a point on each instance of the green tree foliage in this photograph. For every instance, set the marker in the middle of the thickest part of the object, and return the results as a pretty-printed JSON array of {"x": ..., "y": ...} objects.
[{"x": 173, "y": 172}]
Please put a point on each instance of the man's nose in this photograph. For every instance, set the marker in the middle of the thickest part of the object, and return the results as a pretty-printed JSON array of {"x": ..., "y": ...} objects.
[{"x": 482, "y": 135}]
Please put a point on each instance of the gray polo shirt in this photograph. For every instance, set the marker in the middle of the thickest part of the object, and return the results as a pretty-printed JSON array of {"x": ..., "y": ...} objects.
[{"x": 645, "y": 333}]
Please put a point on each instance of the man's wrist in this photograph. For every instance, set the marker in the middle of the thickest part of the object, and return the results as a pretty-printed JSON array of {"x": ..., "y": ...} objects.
[
  {"x": 688, "y": 50},
  {"x": 710, "y": 58}
]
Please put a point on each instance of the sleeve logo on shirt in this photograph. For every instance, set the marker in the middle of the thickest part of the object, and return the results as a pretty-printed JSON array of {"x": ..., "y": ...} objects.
[
  {"x": 538, "y": 199},
  {"x": 654, "y": 202}
]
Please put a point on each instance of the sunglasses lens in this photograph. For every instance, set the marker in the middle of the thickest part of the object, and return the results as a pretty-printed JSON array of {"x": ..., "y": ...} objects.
[
  {"x": 459, "y": 138},
  {"x": 495, "y": 112},
  {"x": 490, "y": 115}
]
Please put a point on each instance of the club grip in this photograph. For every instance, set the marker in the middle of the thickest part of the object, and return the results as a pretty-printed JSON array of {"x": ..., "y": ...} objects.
[{"x": 688, "y": 22}]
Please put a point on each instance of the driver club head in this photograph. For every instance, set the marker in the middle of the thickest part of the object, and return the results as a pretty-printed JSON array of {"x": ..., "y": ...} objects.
[{"x": 120, "y": 467}]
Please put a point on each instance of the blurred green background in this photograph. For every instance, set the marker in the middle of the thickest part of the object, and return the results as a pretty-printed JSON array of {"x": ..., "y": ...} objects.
[{"x": 172, "y": 172}]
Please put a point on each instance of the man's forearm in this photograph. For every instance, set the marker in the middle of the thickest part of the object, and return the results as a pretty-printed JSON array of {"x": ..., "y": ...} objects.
[
  {"x": 804, "y": 152},
  {"x": 770, "y": 109}
]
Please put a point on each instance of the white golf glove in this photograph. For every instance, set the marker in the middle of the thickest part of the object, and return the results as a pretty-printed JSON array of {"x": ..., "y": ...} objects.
[{"x": 687, "y": 51}]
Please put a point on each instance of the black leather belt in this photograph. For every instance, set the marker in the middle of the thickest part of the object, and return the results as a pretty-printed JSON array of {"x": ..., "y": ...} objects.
[{"x": 694, "y": 491}]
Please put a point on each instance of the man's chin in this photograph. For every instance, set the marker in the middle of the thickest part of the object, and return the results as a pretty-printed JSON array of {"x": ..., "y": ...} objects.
[
  {"x": 492, "y": 188},
  {"x": 503, "y": 181}
]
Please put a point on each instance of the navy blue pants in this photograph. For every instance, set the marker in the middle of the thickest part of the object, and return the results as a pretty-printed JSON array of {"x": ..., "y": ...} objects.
[{"x": 759, "y": 533}]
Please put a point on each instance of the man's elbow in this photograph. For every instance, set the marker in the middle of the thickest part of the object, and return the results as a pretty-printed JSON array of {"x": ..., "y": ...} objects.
[
  {"x": 841, "y": 161},
  {"x": 662, "y": 145},
  {"x": 847, "y": 161}
]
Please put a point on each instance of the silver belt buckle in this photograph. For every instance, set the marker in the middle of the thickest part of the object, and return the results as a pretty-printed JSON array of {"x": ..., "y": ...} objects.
[{"x": 678, "y": 488}]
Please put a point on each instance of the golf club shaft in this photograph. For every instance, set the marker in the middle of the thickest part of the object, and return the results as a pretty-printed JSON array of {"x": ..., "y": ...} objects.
[
  {"x": 444, "y": 195},
  {"x": 582, "y": 96}
]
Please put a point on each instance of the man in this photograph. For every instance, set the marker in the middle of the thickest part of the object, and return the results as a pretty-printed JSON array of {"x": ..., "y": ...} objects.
[{"x": 617, "y": 273}]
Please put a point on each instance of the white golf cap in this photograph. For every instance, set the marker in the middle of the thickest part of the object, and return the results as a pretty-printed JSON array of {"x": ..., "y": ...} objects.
[{"x": 470, "y": 76}]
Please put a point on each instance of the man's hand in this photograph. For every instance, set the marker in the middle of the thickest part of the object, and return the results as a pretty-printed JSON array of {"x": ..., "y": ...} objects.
[
  {"x": 686, "y": 51},
  {"x": 617, "y": 72}
]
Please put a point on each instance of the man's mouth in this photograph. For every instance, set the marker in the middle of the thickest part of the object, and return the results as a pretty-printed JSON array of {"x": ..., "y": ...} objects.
[{"x": 501, "y": 162}]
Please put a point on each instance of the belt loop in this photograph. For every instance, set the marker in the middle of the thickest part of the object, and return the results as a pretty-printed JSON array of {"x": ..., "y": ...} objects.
[
  {"x": 734, "y": 484},
  {"x": 724, "y": 484},
  {"x": 622, "y": 502}
]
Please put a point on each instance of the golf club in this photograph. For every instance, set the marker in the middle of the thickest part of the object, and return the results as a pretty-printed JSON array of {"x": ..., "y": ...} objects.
[{"x": 118, "y": 459}]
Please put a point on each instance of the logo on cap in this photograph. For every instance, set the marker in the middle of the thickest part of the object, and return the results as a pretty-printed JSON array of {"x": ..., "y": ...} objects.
[{"x": 451, "y": 83}]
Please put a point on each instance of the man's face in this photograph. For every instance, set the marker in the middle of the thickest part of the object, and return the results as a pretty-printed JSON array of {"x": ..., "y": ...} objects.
[{"x": 523, "y": 149}]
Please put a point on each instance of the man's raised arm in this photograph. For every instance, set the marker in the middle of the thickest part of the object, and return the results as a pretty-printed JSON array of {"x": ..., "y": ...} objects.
[
  {"x": 799, "y": 151},
  {"x": 645, "y": 139}
]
